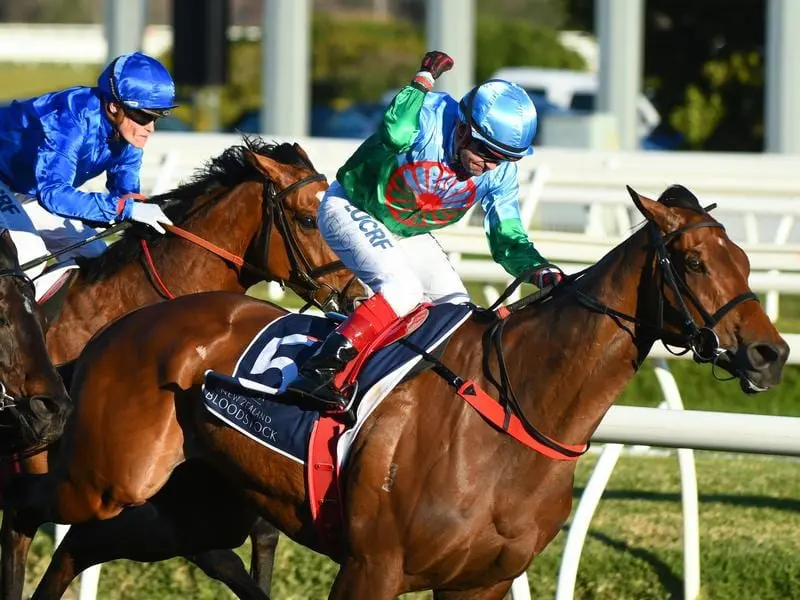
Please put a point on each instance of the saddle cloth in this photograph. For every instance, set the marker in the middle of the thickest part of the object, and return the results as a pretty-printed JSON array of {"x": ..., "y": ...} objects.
[
  {"x": 272, "y": 359},
  {"x": 250, "y": 401}
]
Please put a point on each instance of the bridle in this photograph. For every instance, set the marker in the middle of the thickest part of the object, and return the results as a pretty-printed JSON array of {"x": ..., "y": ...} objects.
[
  {"x": 698, "y": 338},
  {"x": 303, "y": 277}
]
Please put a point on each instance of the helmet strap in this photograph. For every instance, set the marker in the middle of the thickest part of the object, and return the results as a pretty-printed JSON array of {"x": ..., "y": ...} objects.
[{"x": 115, "y": 119}]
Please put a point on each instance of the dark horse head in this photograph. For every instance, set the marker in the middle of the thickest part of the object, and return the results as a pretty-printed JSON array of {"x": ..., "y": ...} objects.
[
  {"x": 258, "y": 203},
  {"x": 33, "y": 401}
]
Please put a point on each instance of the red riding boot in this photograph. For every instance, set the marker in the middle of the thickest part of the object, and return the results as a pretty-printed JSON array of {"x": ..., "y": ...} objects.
[{"x": 360, "y": 329}]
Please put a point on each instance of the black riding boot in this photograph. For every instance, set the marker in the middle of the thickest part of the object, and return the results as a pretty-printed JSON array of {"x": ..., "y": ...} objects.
[{"x": 315, "y": 378}]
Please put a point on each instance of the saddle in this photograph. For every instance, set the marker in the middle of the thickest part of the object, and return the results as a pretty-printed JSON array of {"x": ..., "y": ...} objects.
[{"x": 274, "y": 357}]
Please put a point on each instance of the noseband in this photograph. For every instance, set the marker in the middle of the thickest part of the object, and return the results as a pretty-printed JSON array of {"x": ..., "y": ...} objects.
[{"x": 304, "y": 276}]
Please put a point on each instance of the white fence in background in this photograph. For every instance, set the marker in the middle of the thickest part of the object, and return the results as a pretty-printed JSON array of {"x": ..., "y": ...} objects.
[
  {"x": 575, "y": 205},
  {"x": 574, "y": 202}
]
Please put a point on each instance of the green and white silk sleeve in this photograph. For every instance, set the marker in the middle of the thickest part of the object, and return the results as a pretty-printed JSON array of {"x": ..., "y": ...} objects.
[{"x": 508, "y": 240}]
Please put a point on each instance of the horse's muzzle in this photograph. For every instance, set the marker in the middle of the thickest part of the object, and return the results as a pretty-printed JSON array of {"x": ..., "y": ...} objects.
[
  {"x": 35, "y": 421},
  {"x": 759, "y": 365}
]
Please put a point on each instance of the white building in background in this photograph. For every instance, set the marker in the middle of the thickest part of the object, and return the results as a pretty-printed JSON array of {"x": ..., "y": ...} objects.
[
  {"x": 84, "y": 44},
  {"x": 70, "y": 44}
]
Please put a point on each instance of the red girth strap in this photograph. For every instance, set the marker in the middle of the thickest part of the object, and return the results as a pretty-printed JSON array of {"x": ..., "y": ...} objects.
[{"x": 489, "y": 408}]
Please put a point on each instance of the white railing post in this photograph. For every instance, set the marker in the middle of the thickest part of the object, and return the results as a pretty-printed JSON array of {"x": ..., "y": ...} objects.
[
  {"x": 576, "y": 537},
  {"x": 90, "y": 578},
  {"x": 773, "y": 298},
  {"x": 691, "y": 518}
]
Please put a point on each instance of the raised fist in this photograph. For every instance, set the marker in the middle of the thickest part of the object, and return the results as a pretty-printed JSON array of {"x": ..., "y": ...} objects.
[{"x": 436, "y": 63}]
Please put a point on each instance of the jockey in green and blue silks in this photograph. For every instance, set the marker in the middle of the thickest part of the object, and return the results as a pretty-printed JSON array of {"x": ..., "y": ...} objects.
[
  {"x": 52, "y": 144},
  {"x": 430, "y": 161}
]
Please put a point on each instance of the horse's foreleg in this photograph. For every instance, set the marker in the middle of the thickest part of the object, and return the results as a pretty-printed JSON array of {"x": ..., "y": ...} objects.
[
  {"x": 264, "y": 538},
  {"x": 226, "y": 566},
  {"x": 16, "y": 536},
  {"x": 375, "y": 578},
  {"x": 96, "y": 542},
  {"x": 146, "y": 534}
]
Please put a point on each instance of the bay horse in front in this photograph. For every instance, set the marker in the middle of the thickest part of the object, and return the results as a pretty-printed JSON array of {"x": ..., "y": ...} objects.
[{"x": 455, "y": 481}]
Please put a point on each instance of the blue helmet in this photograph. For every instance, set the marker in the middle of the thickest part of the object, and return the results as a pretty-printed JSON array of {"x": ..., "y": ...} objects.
[
  {"x": 502, "y": 115},
  {"x": 138, "y": 81}
]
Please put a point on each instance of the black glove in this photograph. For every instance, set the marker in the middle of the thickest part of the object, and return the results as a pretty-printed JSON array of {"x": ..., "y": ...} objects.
[
  {"x": 436, "y": 63},
  {"x": 547, "y": 277}
]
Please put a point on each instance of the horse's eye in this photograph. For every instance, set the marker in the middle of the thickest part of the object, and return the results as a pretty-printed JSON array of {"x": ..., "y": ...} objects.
[
  {"x": 307, "y": 222},
  {"x": 4, "y": 322},
  {"x": 694, "y": 264}
]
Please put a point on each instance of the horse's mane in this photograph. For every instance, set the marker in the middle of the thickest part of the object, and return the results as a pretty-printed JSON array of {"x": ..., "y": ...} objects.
[{"x": 223, "y": 172}]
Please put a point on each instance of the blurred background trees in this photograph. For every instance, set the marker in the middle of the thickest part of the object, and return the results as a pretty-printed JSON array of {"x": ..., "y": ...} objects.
[{"x": 703, "y": 62}]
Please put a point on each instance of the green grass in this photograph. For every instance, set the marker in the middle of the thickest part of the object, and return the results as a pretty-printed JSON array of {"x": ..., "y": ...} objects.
[{"x": 749, "y": 519}]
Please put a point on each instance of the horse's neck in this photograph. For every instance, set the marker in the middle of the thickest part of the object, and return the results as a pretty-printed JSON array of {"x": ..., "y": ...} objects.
[
  {"x": 568, "y": 364},
  {"x": 228, "y": 224}
]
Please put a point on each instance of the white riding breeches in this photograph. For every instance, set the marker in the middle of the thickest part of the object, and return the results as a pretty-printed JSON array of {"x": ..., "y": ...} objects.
[
  {"x": 37, "y": 232},
  {"x": 407, "y": 271}
]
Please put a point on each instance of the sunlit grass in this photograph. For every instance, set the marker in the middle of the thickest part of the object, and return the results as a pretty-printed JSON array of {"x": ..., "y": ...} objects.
[{"x": 749, "y": 519}]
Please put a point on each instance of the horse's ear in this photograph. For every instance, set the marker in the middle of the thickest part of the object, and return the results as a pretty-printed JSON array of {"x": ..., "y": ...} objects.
[
  {"x": 302, "y": 153},
  {"x": 659, "y": 213},
  {"x": 273, "y": 170},
  {"x": 7, "y": 246}
]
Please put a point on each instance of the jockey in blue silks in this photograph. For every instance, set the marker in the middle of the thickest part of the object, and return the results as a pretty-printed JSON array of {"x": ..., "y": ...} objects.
[{"x": 52, "y": 144}]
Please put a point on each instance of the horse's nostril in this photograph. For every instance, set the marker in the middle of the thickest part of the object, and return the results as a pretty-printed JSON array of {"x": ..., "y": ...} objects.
[
  {"x": 43, "y": 406},
  {"x": 764, "y": 354}
]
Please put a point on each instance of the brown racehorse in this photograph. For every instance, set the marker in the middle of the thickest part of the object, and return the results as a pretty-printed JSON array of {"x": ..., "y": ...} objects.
[
  {"x": 256, "y": 202},
  {"x": 33, "y": 401},
  {"x": 434, "y": 496}
]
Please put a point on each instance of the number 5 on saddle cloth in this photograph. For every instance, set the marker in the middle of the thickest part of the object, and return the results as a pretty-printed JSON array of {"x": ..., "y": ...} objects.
[{"x": 250, "y": 399}]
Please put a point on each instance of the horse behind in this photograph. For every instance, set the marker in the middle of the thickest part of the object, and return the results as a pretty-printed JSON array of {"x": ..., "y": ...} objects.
[
  {"x": 434, "y": 496},
  {"x": 249, "y": 215},
  {"x": 33, "y": 401}
]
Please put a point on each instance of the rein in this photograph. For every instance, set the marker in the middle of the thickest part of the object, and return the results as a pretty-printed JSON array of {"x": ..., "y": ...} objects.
[
  {"x": 300, "y": 266},
  {"x": 507, "y": 414}
]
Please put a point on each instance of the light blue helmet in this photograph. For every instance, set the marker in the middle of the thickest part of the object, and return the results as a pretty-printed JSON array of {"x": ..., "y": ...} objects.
[
  {"x": 138, "y": 81},
  {"x": 502, "y": 115}
]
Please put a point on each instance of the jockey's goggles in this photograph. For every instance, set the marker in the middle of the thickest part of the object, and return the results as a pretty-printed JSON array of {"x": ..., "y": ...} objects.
[
  {"x": 488, "y": 154},
  {"x": 144, "y": 116}
]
